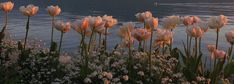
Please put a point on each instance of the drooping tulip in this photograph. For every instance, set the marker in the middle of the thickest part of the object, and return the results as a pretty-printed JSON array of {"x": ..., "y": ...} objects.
[
  {"x": 53, "y": 10},
  {"x": 29, "y": 10},
  {"x": 62, "y": 26},
  {"x": 143, "y": 16},
  {"x": 170, "y": 22},
  {"x": 230, "y": 37},
  {"x": 6, "y": 6}
]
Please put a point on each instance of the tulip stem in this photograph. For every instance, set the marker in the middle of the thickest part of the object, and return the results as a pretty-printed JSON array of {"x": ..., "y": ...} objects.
[
  {"x": 26, "y": 36},
  {"x": 217, "y": 38},
  {"x": 52, "y": 30},
  {"x": 60, "y": 43},
  {"x": 100, "y": 40},
  {"x": 90, "y": 40},
  {"x": 196, "y": 47},
  {"x": 139, "y": 46},
  {"x": 105, "y": 42},
  {"x": 230, "y": 54},
  {"x": 150, "y": 63}
]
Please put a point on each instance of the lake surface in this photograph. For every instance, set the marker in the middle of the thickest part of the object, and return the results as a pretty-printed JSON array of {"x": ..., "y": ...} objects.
[{"x": 40, "y": 26}]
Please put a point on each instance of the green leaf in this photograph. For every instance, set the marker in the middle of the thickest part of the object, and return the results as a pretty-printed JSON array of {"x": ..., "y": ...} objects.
[{"x": 53, "y": 46}]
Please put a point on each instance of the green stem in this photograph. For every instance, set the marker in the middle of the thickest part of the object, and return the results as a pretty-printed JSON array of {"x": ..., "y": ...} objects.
[
  {"x": 52, "y": 30},
  {"x": 26, "y": 36},
  {"x": 100, "y": 40},
  {"x": 105, "y": 41},
  {"x": 196, "y": 44},
  {"x": 230, "y": 54},
  {"x": 189, "y": 49},
  {"x": 150, "y": 62},
  {"x": 60, "y": 44},
  {"x": 199, "y": 46},
  {"x": 217, "y": 38},
  {"x": 90, "y": 40},
  {"x": 139, "y": 46}
]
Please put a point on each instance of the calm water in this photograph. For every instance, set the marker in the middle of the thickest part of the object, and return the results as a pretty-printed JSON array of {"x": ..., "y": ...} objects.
[{"x": 41, "y": 27}]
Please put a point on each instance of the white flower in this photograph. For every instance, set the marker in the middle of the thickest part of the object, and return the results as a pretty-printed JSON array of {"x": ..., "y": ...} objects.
[
  {"x": 87, "y": 80},
  {"x": 65, "y": 59},
  {"x": 125, "y": 77},
  {"x": 141, "y": 73}
]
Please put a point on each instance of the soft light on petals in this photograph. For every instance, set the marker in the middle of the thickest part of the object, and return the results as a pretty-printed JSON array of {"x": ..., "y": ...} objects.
[
  {"x": 151, "y": 23},
  {"x": 230, "y": 37},
  {"x": 29, "y": 10},
  {"x": 141, "y": 34},
  {"x": 164, "y": 37},
  {"x": 62, "y": 26},
  {"x": 195, "y": 31},
  {"x": 219, "y": 54},
  {"x": 217, "y": 22},
  {"x": 143, "y": 16},
  {"x": 109, "y": 21},
  {"x": 125, "y": 30},
  {"x": 7, "y": 6},
  {"x": 53, "y": 10},
  {"x": 170, "y": 22}
]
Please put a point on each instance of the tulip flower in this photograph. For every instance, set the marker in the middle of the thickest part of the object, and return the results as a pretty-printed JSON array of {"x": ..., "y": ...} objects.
[
  {"x": 53, "y": 11},
  {"x": 140, "y": 35},
  {"x": 151, "y": 23},
  {"x": 195, "y": 31},
  {"x": 190, "y": 20},
  {"x": 28, "y": 11},
  {"x": 170, "y": 22},
  {"x": 82, "y": 27},
  {"x": 230, "y": 39},
  {"x": 95, "y": 22},
  {"x": 109, "y": 22},
  {"x": 219, "y": 54},
  {"x": 163, "y": 37},
  {"x": 217, "y": 22},
  {"x": 143, "y": 16},
  {"x": 63, "y": 27},
  {"x": 6, "y": 7}
]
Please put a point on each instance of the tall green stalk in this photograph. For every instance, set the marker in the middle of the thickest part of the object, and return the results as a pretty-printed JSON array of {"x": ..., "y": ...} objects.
[
  {"x": 217, "y": 38},
  {"x": 60, "y": 43},
  {"x": 90, "y": 40},
  {"x": 26, "y": 36},
  {"x": 52, "y": 31},
  {"x": 99, "y": 40},
  {"x": 150, "y": 62},
  {"x": 105, "y": 40}
]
